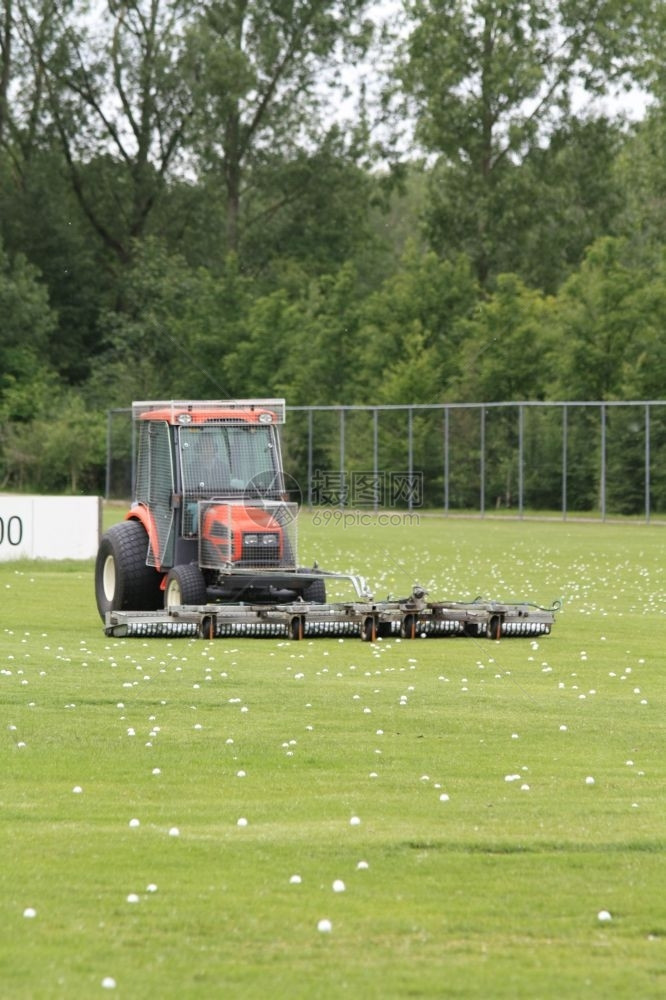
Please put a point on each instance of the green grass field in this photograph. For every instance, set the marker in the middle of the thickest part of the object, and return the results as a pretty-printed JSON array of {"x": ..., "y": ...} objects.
[{"x": 506, "y": 793}]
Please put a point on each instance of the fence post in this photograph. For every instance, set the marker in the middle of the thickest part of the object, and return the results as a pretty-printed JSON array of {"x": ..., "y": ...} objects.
[
  {"x": 310, "y": 454},
  {"x": 107, "y": 481},
  {"x": 565, "y": 470},
  {"x": 410, "y": 454},
  {"x": 343, "y": 491},
  {"x": 647, "y": 463},
  {"x": 521, "y": 431},
  {"x": 482, "y": 466},
  {"x": 446, "y": 460},
  {"x": 133, "y": 432},
  {"x": 375, "y": 458},
  {"x": 602, "y": 494}
]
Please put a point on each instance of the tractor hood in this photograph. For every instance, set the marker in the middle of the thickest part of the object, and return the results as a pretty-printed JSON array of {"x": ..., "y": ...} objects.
[{"x": 246, "y": 535}]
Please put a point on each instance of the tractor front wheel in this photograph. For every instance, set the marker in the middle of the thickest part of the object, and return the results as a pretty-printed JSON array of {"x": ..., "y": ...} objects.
[
  {"x": 315, "y": 592},
  {"x": 123, "y": 581},
  {"x": 185, "y": 584}
]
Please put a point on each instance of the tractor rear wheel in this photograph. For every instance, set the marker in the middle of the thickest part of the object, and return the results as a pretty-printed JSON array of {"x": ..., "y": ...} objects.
[
  {"x": 185, "y": 584},
  {"x": 123, "y": 581}
]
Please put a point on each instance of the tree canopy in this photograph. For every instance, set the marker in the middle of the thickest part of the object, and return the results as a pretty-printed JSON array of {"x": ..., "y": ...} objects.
[{"x": 250, "y": 197}]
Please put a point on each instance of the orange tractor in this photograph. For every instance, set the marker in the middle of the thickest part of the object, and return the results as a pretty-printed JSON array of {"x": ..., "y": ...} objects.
[
  {"x": 210, "y": 520},
  {"x": 209, "y": 547}
]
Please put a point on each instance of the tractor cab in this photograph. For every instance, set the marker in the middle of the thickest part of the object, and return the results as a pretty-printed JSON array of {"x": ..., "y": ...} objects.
[{"x": 210, "y": 485}]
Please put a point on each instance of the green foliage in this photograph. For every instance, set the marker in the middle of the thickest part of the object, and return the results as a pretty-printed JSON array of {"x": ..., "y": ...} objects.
[
  {"x": 27, "y": 320},
  {"x": 310, "y": 209},
  {"x": 71, "y": 441},
  {"x": 256, "y": 72},
  {"x": 396, "y": 216},
  {"x": 196, "y": 201},
  {"x": 565, "y": 195},
  {"x": 639, "y": 172},
  {"x": 61, "y": 448},
  {"x": 173, "y": 333},
  {"x": 424, "y": 303},
  {"x": 41, "y": 221},
  {"x": 120, "y": 100},
  {"x": 600, "y": 316},
  {"x": 508, "y": 352},
  {"x": 491, "y": 82},
  {"x": 324, "y": 339}
]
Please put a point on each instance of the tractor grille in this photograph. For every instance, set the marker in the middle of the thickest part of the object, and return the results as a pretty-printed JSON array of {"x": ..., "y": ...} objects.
[{"x": 261, "y": 554}]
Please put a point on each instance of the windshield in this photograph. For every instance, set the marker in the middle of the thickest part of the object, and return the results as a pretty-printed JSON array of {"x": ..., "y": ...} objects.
[{"x": 228, "y": 458}]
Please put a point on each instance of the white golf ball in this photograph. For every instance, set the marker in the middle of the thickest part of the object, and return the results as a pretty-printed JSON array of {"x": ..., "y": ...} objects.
[
  {"x": 29, "y": 912},
  {"x": 325, "y": 926},
  {"x": 242, "y": 821},
  {"x": 604, "y": 916},
  {"x": 355, "y": 821},
  {"x": 134, "y": 822},
  {"x": 589, "y": 780},
  {"x": 108, "y": 983},
  {"x": 174, "y": 832},
  {"x": 338, "y": 885}
]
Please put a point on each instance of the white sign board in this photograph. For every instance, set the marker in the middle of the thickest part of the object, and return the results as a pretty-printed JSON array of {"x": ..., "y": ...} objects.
[{"x": 34, "y": 527}]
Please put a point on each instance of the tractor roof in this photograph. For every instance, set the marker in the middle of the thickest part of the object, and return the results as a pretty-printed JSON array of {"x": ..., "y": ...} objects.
[{"x": 197, "y": 411}]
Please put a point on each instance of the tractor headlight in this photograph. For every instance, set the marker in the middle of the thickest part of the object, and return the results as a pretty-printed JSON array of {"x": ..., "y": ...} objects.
[{"x": 265, "y": 538}]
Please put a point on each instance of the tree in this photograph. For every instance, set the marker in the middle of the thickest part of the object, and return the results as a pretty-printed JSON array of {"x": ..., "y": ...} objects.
[
  {"x": 489, "y": 82},
  {"x": 508, "y": 349},
  {"x": 644, "y": 368},
  {"x": 426, "y": 300},
  {"x": 567, "y": 195},
  {"x": 27, "y": 322},
  {"x": 27, "y": 31},
  {"x": 39, "y": 217},
  {"x": 259, "y": 70},
  {"x": 175, "y": 333},
  {"x": 71, "y": 438},
  {"x": 507, "y": 354},
  {"x": 6, "y": 25},
  {"x": 120, "y": 102},
  {"x": 310, "y": 211},
  {"x": 59, "y": 446},
  {"x": 315, "y": 343},
  {"x": 598, "y": 321},
  {"x": 639, "y": 174},
  {"x": 26, "y": 379}
]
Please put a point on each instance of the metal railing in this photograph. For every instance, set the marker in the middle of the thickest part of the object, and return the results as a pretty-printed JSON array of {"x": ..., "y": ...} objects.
[{"x": 566, "y": 457}]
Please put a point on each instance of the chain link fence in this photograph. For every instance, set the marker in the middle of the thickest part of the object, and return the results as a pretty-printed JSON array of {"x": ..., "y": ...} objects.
[{"x": 561, "y": 458}]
